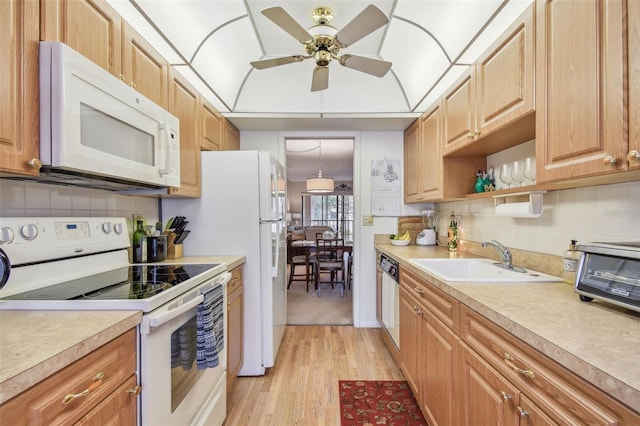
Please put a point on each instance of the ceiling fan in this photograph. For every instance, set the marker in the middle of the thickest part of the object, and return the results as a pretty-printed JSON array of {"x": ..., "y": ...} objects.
[{"x": 323, "y": 42}]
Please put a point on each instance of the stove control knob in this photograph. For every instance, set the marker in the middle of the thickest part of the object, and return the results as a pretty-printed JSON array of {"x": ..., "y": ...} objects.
[
  {"x": 106, "y": 227},
  {"x": 29, "y": 232},
  {"x": 6, "y": 235},
  {"x": 118, "y": 228}
]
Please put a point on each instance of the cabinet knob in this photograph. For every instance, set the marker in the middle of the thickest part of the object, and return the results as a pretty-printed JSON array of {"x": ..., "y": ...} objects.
[
  {"x": 522, "y": 412},
  {"x": 35, "y": 163},
  {"x": 120, "y": 76},
  {"x": 133, "y": 85},
  {"x": 419, "y": 291},
  {"x": 135, "y": 391},
  {"x": 97, "y": 381},
  {"x": 477, "y": 133},
  {"x": 609, "y": 160},
  {"x": 469, "y": 135},
  {"x": 633, "y": 156},
  {"x": 505, "y": 396}
]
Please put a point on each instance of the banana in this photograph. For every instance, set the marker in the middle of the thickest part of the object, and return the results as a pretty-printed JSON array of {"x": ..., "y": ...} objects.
[{"x": 406, "y": 236}]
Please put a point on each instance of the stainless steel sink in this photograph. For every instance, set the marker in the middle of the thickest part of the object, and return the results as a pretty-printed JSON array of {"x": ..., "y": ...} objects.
[{"x": 479, "y": 271}]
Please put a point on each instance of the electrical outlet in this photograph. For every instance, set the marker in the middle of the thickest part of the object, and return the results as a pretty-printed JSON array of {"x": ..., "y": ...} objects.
[{"x": 367, "y": 220}]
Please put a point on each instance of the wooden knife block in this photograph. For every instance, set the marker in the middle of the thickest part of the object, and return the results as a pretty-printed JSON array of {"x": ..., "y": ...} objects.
[{"x": 174, "y": 251}]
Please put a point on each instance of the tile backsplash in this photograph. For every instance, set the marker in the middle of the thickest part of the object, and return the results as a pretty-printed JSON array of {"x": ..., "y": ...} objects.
[
  {"x": 21, "y": 198},
  {"x": 597, "y": 213}
]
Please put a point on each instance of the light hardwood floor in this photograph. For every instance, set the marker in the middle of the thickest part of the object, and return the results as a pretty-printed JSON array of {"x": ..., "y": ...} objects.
[{"x": 302, "y": 388}]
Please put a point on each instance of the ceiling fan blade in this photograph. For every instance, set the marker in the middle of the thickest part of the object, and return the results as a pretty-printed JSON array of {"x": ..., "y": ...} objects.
[
  {"x": 371, "y": 66},
  {"x": 369, "y": 20},
  {"x": 320, "y": 79},
  {"x": 281, "y": 18},
  {"x": 268, "y": 63}
]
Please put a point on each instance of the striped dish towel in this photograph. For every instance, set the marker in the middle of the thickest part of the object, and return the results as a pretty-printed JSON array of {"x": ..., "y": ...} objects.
[{"x": 210, "y": 326}]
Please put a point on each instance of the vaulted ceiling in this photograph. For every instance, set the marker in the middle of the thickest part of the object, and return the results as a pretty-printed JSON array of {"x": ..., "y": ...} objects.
[{"x": 212, "y": 42}]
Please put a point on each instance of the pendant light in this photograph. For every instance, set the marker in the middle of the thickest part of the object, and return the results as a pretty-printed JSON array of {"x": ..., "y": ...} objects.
[{"x": 320, "y": 183}]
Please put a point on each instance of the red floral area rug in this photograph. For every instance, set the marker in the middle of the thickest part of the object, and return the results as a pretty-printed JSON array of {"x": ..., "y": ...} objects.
[{"x": 374, "y": 402}]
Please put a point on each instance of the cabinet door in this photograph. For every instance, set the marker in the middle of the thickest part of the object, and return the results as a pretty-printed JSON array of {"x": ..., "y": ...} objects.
[
  {"x": 633, "y": 22},
  {"x": 579, "y": 89},
  {"x": 19, "y": 131},
  {"x": 487, "y": 397},
  {"x": 430, "y": 158},
  {"x": 212, "y": 124},
  {"x": 231, "y": 140},
  {"x": 440, "y": 373},
  {"x": 410, "y": 341},
  {"x": 504, "y": 77},
  {"x": 183, "y": 103},
  {"x": 90, "y": 27},
  {"x": 412, "y": 163},
  {"x": 235, "y": 321},
  {"x": 143, "y": 68},
  {"x": 458, "y": 112}
]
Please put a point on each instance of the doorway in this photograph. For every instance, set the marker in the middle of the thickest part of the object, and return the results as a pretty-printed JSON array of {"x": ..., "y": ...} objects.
[{"x": 309, "y": 158}]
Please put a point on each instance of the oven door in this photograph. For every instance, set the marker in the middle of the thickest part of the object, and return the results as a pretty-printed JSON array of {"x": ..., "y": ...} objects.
[{"x": 174, "y": 390}]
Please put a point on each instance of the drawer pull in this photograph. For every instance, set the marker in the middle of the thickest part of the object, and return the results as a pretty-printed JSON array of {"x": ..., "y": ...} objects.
[
  {"x": 419, "y": 291},
  {"x": 507, "y": 359},
  {"x": 505, "y": 396},
  {"x": 135, "y": 391},
  {"x": 97, "y": 381},
  {"x": 522, "y": 412}
]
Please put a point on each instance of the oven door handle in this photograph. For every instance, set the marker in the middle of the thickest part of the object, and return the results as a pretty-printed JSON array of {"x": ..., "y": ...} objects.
[{"x": 167, "y": 316}]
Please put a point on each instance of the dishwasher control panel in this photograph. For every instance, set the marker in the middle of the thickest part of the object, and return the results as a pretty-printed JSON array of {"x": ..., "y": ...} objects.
[{"x": 390, "y": 266}]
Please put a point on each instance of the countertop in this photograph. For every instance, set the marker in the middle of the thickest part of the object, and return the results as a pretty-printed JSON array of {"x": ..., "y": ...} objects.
[
  {"x": 36, "y": 344},
  {"x": 597, "y": 341}
]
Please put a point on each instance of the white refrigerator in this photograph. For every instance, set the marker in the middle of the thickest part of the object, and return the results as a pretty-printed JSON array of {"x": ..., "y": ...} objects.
[{"x": 241, "y": 212}]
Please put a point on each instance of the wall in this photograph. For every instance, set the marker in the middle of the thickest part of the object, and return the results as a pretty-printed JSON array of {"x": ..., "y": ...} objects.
[
  {"x": 367, "y": 146},
  {"x": 598, "y": 213},
  {"x": 21, "y": 198}
]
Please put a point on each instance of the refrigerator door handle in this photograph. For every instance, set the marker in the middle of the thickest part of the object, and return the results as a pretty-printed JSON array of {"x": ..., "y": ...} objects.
[{"x": 270, "y": 220}]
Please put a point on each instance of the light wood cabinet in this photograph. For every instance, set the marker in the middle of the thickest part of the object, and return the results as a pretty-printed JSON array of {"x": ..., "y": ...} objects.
[
  {"x": 231, "y": 139},
  {"x": 411, "y": 341},
  {"x": 212, "y": 124},
  {"x": 95, "y": 30},
  {"x": 412, "y": 165},
  {"x": 537, "y": 385},
  {"x": 113, "y": 398},
  {"x": 580, "y": 119},
  {"x": 235, "y": 324},
  {"x": 143, "y": 68},
  {"x": 633, "y": 58},
  {"x": 19, "y": 130},
  {"x": 184, "y": 103},
  {"x": 490, "y": 108}
]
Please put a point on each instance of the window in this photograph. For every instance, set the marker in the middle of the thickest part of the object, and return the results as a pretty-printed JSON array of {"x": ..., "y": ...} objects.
[{"x": 333, "y": 210}]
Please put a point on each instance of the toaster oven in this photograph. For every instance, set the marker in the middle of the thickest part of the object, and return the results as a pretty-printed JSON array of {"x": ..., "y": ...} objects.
[{"x": 610, "y": 272}]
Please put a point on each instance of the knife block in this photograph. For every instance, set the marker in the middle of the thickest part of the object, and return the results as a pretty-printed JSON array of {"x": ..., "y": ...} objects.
[{"x": 174, "y": 251}]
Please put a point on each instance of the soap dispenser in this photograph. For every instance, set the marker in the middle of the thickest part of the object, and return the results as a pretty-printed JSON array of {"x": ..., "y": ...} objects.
[{"x": 570, "y": 263}]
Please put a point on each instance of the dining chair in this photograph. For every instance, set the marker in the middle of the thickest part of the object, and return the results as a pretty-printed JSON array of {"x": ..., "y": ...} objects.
[
  {"x": 331, "y": 262},
  {"x": 300, "y": 256}
]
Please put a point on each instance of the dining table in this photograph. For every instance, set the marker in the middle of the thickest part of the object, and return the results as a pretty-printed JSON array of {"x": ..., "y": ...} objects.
[{"x": 312, "y": 246}]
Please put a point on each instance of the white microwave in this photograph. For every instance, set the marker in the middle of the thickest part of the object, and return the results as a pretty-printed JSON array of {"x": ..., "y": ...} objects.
[{"x": 97, "y": 131}]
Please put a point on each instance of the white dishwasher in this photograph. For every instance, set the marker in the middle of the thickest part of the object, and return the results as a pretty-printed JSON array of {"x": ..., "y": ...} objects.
[{"x": 391, "y": 298}]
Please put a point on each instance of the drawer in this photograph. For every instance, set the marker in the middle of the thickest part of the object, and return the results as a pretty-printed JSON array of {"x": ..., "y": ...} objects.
[
  {"x": 236, "y": 279},
  {"x": 43, "y": 402},
  {"x": 540, "y": 378},
  {"x": 440, "y": 304}
]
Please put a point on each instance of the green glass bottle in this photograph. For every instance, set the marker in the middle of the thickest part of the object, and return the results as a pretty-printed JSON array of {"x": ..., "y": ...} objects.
[
  {"x": 139, "y": 244},
  {"x": 452, "y": 240}
]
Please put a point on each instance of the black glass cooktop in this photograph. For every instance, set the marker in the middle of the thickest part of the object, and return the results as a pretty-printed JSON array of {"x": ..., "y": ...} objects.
[{"x": 129, "y": 282}]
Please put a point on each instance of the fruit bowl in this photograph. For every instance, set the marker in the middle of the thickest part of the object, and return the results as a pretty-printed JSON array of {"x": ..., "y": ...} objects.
[{"x": 400, "y": 242}]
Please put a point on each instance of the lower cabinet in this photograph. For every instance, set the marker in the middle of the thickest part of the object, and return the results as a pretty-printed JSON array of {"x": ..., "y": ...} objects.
[
  {"x": 465, "y": 370},
  {"x": 235, "y": 324},
  {"x": 100, "y": 388}
]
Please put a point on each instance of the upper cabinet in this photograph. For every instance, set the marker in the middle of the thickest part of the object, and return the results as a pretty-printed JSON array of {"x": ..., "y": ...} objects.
[
  {"x": 490, "y": 108},
  {"x": 231, "y": 139},
  {"x": 633, "y": 57},
  {"x": 212, "y": 124},
  {"x": 580, "y": 99},
  {"x": 184, "y": 103},
  {"x": 19, "y": 130},
  {"x": 412, "y": 156},
  {"x": 96, "y": 31}
]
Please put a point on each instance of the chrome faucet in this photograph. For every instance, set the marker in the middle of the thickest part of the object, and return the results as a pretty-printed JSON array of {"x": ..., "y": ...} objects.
[{"x": 505, "y": 256}]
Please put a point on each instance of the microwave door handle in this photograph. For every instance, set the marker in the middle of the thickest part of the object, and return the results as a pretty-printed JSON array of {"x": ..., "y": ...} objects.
[{"x": 167, "y": 150}]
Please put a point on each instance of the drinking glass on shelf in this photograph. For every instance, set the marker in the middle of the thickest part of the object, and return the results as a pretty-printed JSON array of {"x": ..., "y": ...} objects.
[
  {"x": 517, "y": 168},
  {"x": 505, "y": 174},
  {"x": 530, "y": 169}
]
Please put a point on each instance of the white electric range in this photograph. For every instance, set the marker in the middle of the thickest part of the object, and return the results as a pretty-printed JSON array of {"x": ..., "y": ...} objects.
[{"x": 82, "y": 264}]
